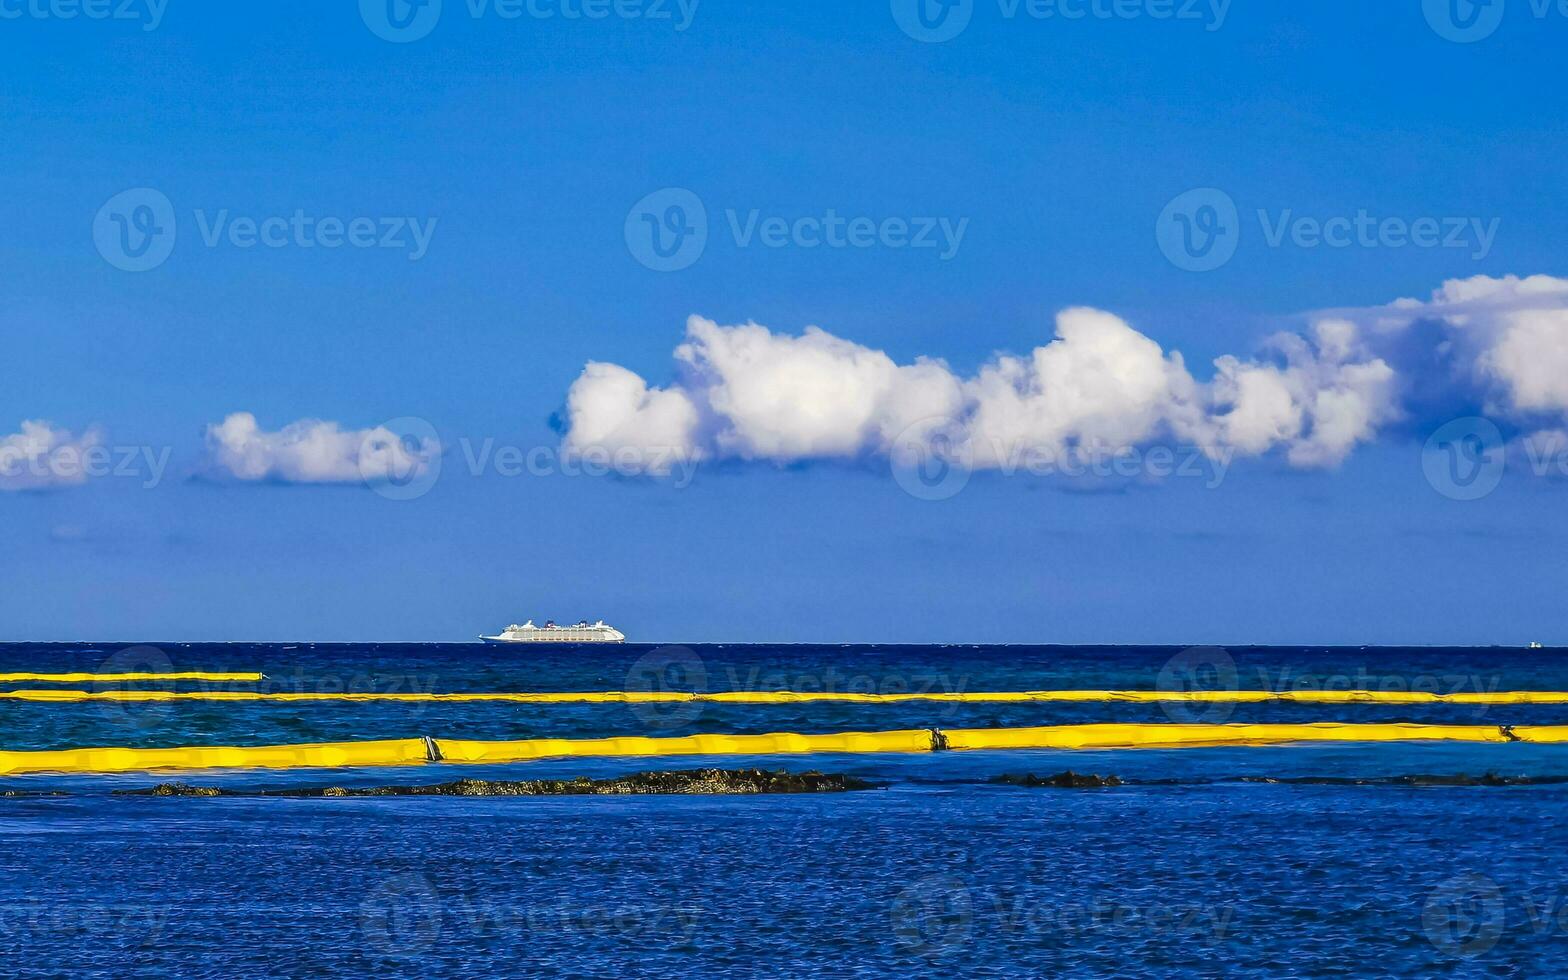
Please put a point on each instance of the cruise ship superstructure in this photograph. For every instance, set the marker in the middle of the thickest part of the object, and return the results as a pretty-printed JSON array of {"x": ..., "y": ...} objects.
[{"x": 583, "y": 632}]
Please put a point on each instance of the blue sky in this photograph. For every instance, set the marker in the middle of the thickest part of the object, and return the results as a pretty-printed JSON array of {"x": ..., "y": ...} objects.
[{"x": 523, "y": 146}]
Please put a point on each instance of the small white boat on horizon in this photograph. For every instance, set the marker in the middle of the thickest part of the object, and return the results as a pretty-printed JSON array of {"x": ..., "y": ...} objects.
[{"x": 583, "y": 632}]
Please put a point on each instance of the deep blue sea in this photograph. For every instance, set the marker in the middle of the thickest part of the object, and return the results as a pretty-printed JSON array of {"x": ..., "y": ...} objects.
[{"x": 1183, "y": 871}]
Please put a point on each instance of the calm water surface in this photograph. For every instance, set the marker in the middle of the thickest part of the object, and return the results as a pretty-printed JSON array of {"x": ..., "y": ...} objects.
[{"x": 937, "y": 873}]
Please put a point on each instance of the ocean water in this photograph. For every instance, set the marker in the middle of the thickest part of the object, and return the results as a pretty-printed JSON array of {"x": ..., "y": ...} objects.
[{"x": 1186, "y": 870}]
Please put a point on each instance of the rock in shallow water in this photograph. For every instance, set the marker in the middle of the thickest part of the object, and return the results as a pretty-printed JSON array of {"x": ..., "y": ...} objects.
[
  {"x": 690, "y": 781},
  {"x": 1062, "y": 780},
  {"x": 173, "y": 789}
]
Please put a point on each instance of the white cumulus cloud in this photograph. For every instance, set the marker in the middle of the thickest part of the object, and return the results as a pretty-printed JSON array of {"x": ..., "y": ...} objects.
[
  {"x": 615, "y": 411},
  {"x": 782, "y": 398},
  {"x": 1099, "y": 384},
  {"x": 746, "y": 392},
  {"x": 1504, "y": 337},
  {"x": 1321, "y": 397},
  {"x": 312, "y": 451}
]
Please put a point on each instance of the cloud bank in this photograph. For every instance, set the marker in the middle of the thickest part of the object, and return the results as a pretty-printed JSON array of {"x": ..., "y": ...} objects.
[
  {"x": 744, "y": 392},
  {"x": 312, "y": 451},
  {"x": 42, "y": 457},
  {"x": 1493, "y": 346}
]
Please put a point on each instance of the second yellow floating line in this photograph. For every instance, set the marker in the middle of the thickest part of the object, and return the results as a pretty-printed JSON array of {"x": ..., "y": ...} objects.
[
  {"x": 135, "y": 675},
  {"x": 803, "y": 697}
]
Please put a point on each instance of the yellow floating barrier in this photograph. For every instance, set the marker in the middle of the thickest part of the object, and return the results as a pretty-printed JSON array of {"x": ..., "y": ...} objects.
[
  {"x": 1071, "y": 737},
  {"x": 782, "y": 743},
  {"x": 1074, "y": 737},
  {"x": 413, "y": 696},
  {"x": 1174, "y": 736},
  {"x": 330, "y": 755},
  {"x": 80, "y": 678},
  {"x": 782, "y": 697}
]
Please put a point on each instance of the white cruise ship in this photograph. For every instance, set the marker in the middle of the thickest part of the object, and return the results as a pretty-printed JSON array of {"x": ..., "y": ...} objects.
[{"x": 584, "y": 632}]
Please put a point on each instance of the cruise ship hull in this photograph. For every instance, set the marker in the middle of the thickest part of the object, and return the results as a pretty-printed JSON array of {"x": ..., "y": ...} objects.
[
  {"x": 503, "y": 640},
  {"x": 600, "y": 632}
]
